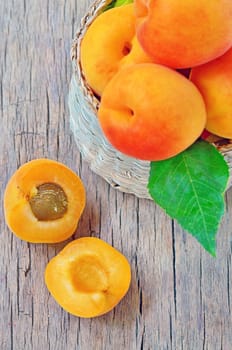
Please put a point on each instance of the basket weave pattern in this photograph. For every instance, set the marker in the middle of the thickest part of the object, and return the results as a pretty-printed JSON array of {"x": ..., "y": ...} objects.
[{"x": 124, "y": 173}]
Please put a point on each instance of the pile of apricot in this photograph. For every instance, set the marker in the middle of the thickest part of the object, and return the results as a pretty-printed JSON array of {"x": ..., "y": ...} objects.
[
  {"x": 43, "y": 202},
  {"x": 132, "y": 58}
]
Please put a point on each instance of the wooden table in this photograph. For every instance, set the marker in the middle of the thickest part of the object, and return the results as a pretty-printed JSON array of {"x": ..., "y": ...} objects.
[{"x": 180, "y": 297}]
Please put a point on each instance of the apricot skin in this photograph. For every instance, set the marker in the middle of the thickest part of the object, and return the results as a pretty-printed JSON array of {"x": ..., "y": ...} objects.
[
  {"x": 88, "y": 277},
  {"x": 151, "y": 112},
  {"x": 182, "y": 34},
  {"x": 214, "y": 80},
  {"x": 109, "y": 44},
  {"x": 22, "y": 186}
]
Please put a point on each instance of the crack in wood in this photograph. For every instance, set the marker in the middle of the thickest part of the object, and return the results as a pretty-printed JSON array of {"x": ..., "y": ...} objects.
[
  {"x": 11, "y": 328},
  {"x": 174, "y": 267}
]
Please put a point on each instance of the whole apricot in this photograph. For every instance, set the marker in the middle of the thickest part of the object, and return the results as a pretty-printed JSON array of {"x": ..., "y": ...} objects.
[
  {"x": 108, "y": 44},
  {"x": 214, "y": 80},
  {"x": 182, "y": 34},
  {"x": 43, "y": 201},
  {"x": 88, "y": 277},
  {"x": 151, "y": 112}
]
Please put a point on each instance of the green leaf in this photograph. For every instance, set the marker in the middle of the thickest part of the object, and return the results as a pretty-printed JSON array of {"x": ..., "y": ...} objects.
[
  {"x": 190, "y": 187},
  {"x": 117, "y": 3}
]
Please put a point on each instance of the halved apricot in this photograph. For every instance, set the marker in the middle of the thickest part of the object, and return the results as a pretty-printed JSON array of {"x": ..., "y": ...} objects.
[
  {"x": 88, "y": 277},
  {"x": 43, "y": 201}
]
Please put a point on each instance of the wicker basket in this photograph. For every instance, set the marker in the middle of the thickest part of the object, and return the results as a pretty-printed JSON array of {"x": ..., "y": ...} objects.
[{"x": 124, "y": 173}]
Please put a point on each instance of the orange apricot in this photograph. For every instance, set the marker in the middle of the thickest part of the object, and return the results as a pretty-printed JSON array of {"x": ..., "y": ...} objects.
[
  {"x": 43, "y": 201},
  {"x": 108, "y": 44},
  {"x": 151, "y": 112},
  {"x": 182, "y": 34},
  {"x": 214, "y": 80},
  {"x": 88, "y": 277}
]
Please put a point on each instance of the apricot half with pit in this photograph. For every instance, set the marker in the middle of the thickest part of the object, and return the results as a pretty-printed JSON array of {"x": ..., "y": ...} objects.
[
  {"x": 43, "y": 201},
  {"x": 88, "y": 277},
  {"x": 151, "y": 112},
  {"x": 109, "y": 44}
]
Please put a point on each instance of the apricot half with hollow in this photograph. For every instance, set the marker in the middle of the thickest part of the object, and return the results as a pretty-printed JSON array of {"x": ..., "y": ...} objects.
[
  {"x": 43, "y": 201},
  {"x": 88, "y": 277},
  {"x": 151, "y": 112}
]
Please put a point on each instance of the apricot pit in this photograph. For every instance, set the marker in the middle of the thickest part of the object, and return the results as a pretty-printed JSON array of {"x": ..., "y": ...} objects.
[{"x": 49, "y": 203}]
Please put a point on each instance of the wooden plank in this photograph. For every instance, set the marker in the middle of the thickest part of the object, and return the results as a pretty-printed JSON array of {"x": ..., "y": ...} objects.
[{"x": 180, "y": 297}]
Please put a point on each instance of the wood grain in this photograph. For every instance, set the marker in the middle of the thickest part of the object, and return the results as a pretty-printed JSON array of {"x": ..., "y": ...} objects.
[{"x": 180, "y": 297}]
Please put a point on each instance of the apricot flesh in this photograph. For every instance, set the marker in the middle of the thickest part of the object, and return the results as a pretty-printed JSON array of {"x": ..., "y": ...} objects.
[
  {"x": 182, "y": 34},
  {"x": 88, "y": 277},
  {"x": 43, "y": 201},
  {"x": 108, "y": 44},
  {"x": 214, "y": 80},
  {"x": 151, "y": 112}
]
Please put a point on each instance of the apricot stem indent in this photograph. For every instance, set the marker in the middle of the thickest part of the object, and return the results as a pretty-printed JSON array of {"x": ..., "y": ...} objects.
[{"x": 126, "y": 48}]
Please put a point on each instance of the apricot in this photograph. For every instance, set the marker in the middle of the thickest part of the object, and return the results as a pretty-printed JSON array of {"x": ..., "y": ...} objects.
[
  {"x": 108, "y": 44},
  {"x": 182, "y": 34},
  {"x": 43, "y": 201},
  {"x": 151, "y": 112},
  {"x": 214, "y": 80},
  {"x": 88, "y": 277}
]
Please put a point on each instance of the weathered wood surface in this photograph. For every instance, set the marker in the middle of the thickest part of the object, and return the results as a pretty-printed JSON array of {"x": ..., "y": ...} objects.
[{"x": 180, "y": 297}]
